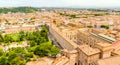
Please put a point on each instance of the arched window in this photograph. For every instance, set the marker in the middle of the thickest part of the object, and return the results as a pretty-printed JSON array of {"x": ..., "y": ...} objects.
[{"x": 75, "y": 63}]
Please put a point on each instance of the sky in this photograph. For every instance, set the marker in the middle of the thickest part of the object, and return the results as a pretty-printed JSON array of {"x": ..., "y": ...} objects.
[{"x": 60, "y": 3}]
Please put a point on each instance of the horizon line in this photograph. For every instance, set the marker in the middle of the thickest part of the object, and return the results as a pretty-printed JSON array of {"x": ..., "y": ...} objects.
[{"x": 60, "y": 7}]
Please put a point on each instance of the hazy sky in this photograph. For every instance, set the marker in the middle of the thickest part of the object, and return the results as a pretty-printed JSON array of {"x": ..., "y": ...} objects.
[{"x": 60, "y": 3}]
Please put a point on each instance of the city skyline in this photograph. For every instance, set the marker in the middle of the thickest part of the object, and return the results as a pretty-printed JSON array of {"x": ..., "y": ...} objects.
[{"x": 61, "y": 3}]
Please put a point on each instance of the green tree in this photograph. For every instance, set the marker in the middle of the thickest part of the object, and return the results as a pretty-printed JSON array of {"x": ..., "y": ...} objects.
[
  {"x": 3, "y": 60},
  {"x": 18, "y": 56},
  {"x": 89, "y": 26},
  {"x": 18, "y": 9},
  {"x": 18, "y": 61},
  {"x": 98, "y": 14},
  {"x": 17, "y": 50},
  {"x": 11, "y": 56},
  {"x": 1, "y": 52},
  {"x": 42, "y": 50},
  {"x": 32, "y": 49},
  {"x": 28, "y": 55},
  {"x": 73, "y": 16},
  {"x": 15, "y": 37},
  {"x": 7, "y": 38},
  {"x": 45, "y": 49},
  {"x": 44, "y": 34},
  {"x": 54, "y": 50},
  {"x": 105, "y": 26},
  {"x": 1, "y": 37},
  {"x": 22, "y": 35},
  {"x": 32, "y": 43}
]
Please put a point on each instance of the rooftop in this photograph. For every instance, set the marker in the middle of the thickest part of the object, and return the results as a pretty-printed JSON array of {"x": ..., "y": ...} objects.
[
  {"x": 88, "y": 50},
  {"x": 60, "y": 60},
  {"x": 109, "y": 61},
  {"x": 107, "y": 37},
  {"x": 41, "y": 61},
  {"x": 116, "y": 43},
  {"x": 103, "y": 46},
  {"x": 116, "y": 52}
]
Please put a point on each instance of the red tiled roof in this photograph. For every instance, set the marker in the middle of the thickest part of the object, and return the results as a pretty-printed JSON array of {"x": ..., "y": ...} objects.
[{"x": 116, "y": 43}]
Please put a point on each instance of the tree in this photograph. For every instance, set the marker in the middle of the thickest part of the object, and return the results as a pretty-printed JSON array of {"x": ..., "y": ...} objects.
[
  {"x": 1, "y": 37},
  {"x": 73, "y": 16},
  {"x": 7, "y": 38},
  {"x": 28, "y": 55},
  {"x": 17, "y": 56},
  {"x": 30, "y": 36},
  {"x": 11, "y": 56},
  {"x": 43, "y": 49},
  {"x": 1, "y": 52},
  {"x": 32, "y": 43},
  {"x": 22, "y": 35},
  {"x": 17, "y": 50},
  {"x": 39, "y": 51},
  {"x": 54, "y": 50},
  {"x": 3, "y": 60},
  {"x": 46, "y": 49},
  {"x": 18, "y": 9},
  {"x": 89, "y": 26},
  {"x": 98, "y": 14},
  {"x": 105, "y": 26},
  {"x": 32, "y": 49},
  {"x": 44, "y": 28},
  {"x": 44, "y": 34},
  {"x": 18, "y": 61},
  {"x": 15, "y": 37}
]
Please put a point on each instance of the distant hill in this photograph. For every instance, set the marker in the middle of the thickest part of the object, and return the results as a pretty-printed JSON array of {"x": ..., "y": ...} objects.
[{"x": 18, "y": 9}]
